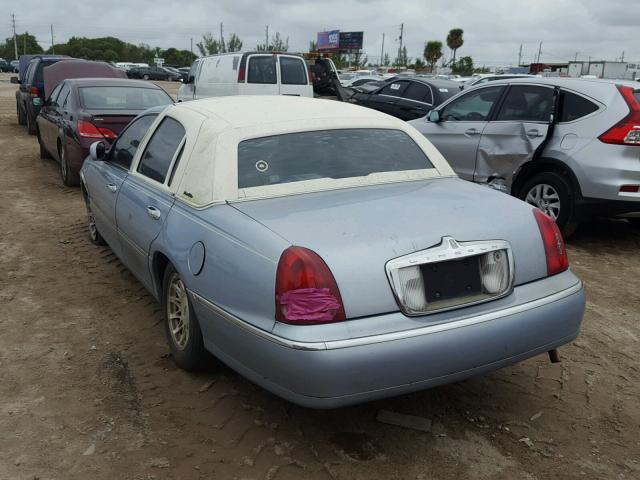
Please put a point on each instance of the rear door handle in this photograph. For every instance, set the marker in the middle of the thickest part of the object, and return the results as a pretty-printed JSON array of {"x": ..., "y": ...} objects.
[
  {"x": 533, "y": 133},
  {"x": 113, "y": 187},
  {"x": 471, "y": 132},
  {"x": 153, "y": 212}
]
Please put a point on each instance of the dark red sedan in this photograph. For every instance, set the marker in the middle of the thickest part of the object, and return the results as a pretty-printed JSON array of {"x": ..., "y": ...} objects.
[{"x": 81, "y": 111}]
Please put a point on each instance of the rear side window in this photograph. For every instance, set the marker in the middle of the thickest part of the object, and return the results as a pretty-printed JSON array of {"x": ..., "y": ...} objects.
[
  {"x": 345, "y": 153},
  {"x": 127, "y": 143},
  {"x": 293, "y": 71},
  {"x": 262, "y": 69},
  {"x": 123, "y": 98},
  {"x": 54, "y": 95},
  {"x": 161, "y": 149},
  {"x": 419, "y": 92},
  {"x": 64, "y": 94},
  {"x": 574, "y": 106},
  {"x": 527, "y": 103},
  {"x": 395, "y": 89}
]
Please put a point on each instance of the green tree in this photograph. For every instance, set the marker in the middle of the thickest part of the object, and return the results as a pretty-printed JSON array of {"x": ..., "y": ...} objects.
[
  {"x": 419, "y": 64},
  {"x": 234, "y": 44},
  {"x": 432, "y": 53},
  {"x": 455, "y": 40},
  {"x": 209, "y": 45},
  {"x": 173, "y": 56},
  {"x": 105, "y": 48},
  {"x": 463, "y": 67},
  {"x": 313, "y": 46},
  {"x": 27, "y": 44},
  {"x": 276, "y": 44}
]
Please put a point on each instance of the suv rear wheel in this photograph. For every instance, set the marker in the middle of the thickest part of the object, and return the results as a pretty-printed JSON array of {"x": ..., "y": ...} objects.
[
  {"x": 31, "y": 124},
  {"x": 552, "y": 193},
  {"x": 20, "y": 113}
]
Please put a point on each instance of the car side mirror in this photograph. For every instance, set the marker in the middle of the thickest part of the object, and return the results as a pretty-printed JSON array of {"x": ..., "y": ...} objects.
[
  {"x": 97, "y": 151},
  {"x": 433, "y": 116},
  {"x": 14, "y": 80}
]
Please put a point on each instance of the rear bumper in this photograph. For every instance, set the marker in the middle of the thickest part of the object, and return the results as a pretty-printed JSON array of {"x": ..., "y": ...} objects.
[
  {"x": 335, "y": 373},
  {"x": 590, "y": 207}
]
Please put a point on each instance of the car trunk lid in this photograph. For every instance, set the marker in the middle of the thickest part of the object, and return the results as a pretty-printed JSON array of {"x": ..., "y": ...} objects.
[{"x": 357, "y": 231}]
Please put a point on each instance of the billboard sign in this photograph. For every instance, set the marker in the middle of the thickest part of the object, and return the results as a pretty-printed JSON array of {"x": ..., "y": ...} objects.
[
  {"x": 329, "y": 40},
  {"x": 351, "y": 40}
]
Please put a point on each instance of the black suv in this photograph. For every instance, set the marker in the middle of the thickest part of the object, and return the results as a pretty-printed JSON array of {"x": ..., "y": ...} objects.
[{"x": 30, "y": 95}]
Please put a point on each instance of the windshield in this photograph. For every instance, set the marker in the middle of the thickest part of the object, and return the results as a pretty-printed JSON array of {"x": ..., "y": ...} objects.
[
  {"x": 123, "y": 98},
  {"x": 345, "y": 153}
]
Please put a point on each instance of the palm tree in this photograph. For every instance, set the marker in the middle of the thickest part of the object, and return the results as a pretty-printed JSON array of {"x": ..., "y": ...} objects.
[
  {"x": 455, "y": 41},
  {"x": 432, "y": 52}
]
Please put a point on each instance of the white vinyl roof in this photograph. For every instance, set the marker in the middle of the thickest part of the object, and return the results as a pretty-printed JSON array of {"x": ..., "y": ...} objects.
[{"x": 208, "y": 170}]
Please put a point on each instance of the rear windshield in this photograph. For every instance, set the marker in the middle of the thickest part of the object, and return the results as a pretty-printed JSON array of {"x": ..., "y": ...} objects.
[
  {"x": 122, "y": 98},
  {"x": 295, "y": 157}
]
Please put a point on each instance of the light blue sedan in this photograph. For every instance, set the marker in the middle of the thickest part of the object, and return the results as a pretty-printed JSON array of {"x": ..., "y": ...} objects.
[{"x": 326, "y": 251}]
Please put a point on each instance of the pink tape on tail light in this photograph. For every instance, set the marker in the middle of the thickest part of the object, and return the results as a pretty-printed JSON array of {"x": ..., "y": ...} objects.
[{"x": 309, "y": 304}]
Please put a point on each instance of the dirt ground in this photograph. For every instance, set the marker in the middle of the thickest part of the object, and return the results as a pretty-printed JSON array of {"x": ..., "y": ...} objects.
[{"x": 88, "y": 390}]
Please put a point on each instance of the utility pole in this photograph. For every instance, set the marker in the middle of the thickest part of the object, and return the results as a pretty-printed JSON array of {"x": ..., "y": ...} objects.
[
  {"x": 382, "y": 51},
  {"x": 539, "y": 52},
  {"x": 400, "y": 47},
  {"x": 575, "y": 59},
  {"x": 266, "y": 38},
  {"x": 622, "y": 57},
  {"x": 222, "y": 46},
  {"x": 191, "y": 47},
  {"x": 53, "y": 48},
  {"x": 520, "y": 56},
  {"x": 15, "y": 38}
]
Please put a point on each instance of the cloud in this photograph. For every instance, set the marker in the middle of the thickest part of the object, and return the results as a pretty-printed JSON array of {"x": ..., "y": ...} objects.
[{"x": 494, "y": 29}]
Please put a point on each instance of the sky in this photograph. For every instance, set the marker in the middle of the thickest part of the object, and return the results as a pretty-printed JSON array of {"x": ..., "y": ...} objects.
[{"x": 493, "y": 29}]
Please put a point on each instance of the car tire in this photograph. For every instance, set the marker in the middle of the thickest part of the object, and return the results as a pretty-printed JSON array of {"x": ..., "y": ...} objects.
[
  {"x": 145, "y": 77},
  {"x": 31, "y": 124},
  {"x": 69, "y": 176},
  {"x": 20, "y": 113},
  {"x": 44, "y": 154},
  {"x": 181, "y": 325},
  {"x": 94, "y": 234},
  {"x": 551, "y": 192}
]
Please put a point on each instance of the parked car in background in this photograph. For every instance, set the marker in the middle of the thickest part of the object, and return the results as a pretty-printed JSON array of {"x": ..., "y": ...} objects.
[
  {"x": 152, "y": 73},
  {"x": 83, "y": 110},
  {"x": 492, "y": 78},
  {"x": 407, "y": 98},
  {"x": 361, "y": 80},
  {"x": 249, "y": 73},
  {"x": 30, "y": 94},
  {"x": 570, "y": 147},
  {"x": 256, "y": 220},
  {"x": 177, "y": 75},
  {"x": 5, "y": 67},
  {"x": 15, "y": 64}
]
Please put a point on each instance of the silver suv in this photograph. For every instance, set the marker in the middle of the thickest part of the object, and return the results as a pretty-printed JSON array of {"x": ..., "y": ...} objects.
[{"x": 569, "y": 146}]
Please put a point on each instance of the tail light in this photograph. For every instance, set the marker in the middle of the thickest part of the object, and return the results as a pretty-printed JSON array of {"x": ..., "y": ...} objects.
[
  {"x": 554, "y": 248},
  {"x": 241, "y": 74},
  {"x": 306, "y": 292},
  {"x": 627, "y": 130},
  {"x": 34, "y": 91},
  {"x": 312, "y": 76},
  {"x": 89, "y": 130}
]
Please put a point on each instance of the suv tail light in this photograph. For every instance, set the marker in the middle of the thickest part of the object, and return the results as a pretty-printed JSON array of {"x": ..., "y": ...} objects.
[
  {"x": 89, "y": 130},
  {"x": 34, "y": 91},
  {"x": 554, "y": 248},
  {"x": 627, "y": 130},
  {"x": 306, "y": 292},
  {"x": 241, "y": 74}
]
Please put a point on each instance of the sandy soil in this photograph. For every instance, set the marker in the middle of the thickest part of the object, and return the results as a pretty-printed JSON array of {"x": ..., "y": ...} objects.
[{"x": 87, "y": 389}]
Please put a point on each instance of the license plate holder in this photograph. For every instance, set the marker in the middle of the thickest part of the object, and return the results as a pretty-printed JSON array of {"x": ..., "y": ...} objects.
[{"x": 451, "y": 279}]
